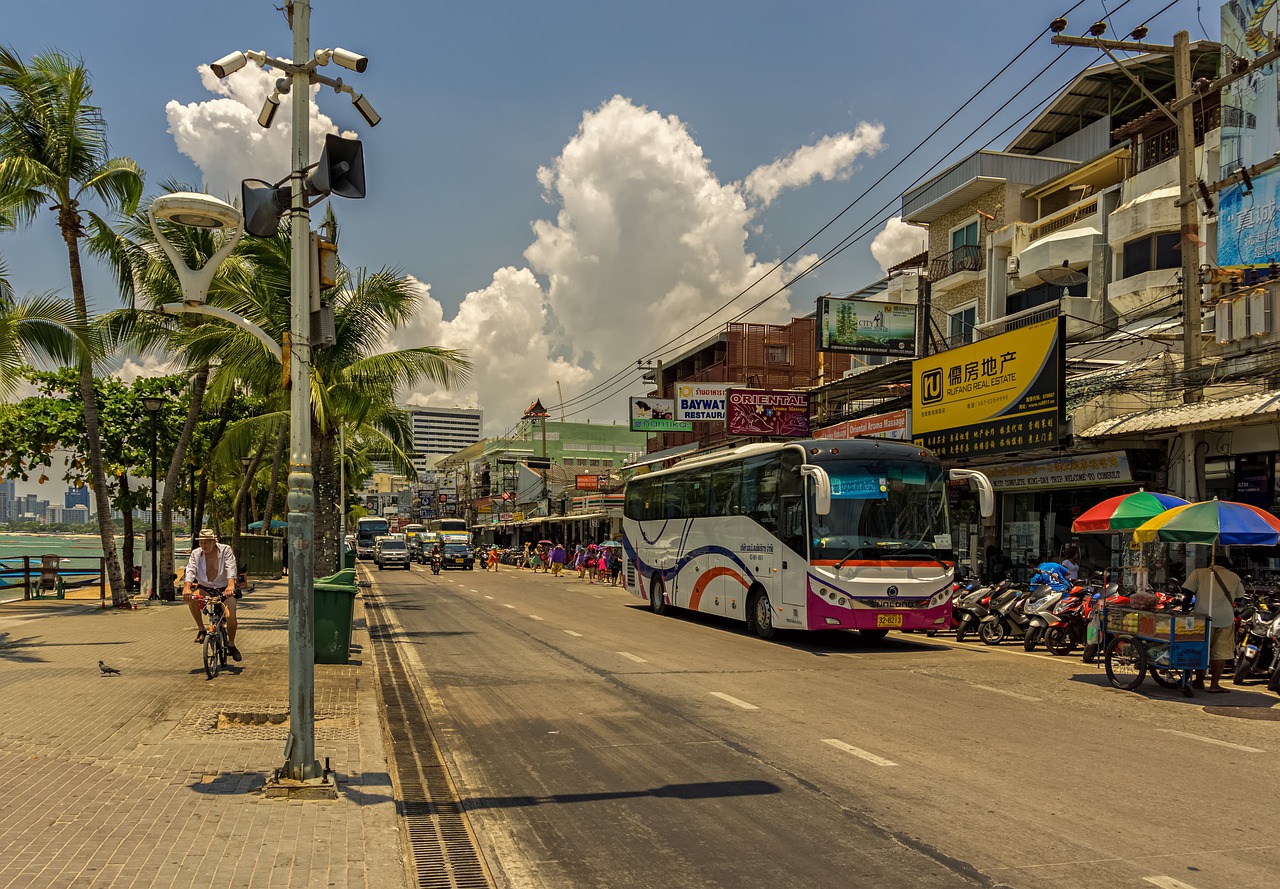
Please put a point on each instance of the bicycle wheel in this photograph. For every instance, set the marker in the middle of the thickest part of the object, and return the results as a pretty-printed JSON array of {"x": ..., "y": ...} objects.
[
  {"x": 1126, "y": 662},
  {"x": 211, "y": 663},
  {"x": 224, "y": 647}
]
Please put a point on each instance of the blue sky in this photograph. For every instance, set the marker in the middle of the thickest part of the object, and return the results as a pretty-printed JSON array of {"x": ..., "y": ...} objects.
[{"x": 574, "y": 183}]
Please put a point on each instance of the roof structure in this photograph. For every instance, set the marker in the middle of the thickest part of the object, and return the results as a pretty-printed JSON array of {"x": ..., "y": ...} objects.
[{"x": 1262, "y": 407}]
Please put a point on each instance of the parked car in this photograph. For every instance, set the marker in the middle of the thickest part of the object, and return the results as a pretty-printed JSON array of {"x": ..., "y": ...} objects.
[
  {"x": 459, "y": 555},
  {"x": 389, "y": 552}
]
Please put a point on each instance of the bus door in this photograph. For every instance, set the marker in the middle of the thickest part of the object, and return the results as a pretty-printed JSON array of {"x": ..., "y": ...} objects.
[{"x": 793, "y": 562}]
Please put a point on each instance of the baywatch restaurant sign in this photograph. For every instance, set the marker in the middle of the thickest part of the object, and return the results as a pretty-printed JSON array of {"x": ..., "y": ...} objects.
[
  {"x": 768, "y": 412},
  {"x": 1000, "y": 395},
  {"x": 702, "y": 401},
  {"x": 895, "y": 425}
]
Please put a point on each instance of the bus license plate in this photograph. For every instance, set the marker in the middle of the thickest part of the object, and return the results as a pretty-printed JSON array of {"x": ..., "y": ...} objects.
[{"x": 888, "y": 620}]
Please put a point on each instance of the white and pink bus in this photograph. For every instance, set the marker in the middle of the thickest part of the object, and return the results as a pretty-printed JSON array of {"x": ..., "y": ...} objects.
[{"x": 808, "y": 535}]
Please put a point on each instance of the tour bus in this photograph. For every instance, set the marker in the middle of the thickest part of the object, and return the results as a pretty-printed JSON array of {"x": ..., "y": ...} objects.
[
  {"x": 451, "y": 530},
  {"x": 808, "y": 535},
  {"x": 369, "y": 529},
  {"x": 412, "y": 532}
]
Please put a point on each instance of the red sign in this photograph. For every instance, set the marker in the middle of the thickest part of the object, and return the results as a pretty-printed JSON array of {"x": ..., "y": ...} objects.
[
  {"x": 891, "y": 425},
  {"x": 588, "y": 482},
  {"x": 767, "y": 412}
]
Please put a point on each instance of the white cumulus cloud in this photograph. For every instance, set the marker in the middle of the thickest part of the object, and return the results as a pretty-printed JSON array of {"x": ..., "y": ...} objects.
[
  {"x": 831, "y": 158},
  {"x": 897, "y": 241}
]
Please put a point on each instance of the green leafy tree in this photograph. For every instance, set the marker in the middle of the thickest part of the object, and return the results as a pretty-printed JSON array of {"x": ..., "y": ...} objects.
[{"x": 54, "y": 152}]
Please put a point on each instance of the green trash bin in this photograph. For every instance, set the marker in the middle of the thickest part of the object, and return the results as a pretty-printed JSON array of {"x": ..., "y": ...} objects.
[
  {"x": 349, "y": 559},
  {"x": 334, "y": 607}
]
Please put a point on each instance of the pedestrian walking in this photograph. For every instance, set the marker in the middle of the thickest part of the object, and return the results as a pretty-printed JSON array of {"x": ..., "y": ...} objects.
[
  {"x": 557, "y": 559},
  {"x": 493, "y": 559},
  {"x": 615, "y": 564},
  {"x": 591, "y": 562},
  {"x": 580, "y": 562}
]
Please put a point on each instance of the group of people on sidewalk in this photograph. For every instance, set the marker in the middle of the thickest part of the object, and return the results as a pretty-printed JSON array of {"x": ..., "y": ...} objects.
[{"x": 592, "y": 562}]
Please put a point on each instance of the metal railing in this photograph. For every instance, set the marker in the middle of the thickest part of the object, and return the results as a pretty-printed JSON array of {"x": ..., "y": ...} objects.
[{"x": 965, "y": 258}]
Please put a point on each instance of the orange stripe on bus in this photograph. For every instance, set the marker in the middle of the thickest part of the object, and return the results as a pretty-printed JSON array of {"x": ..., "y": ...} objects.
[
  {"x": 706, "y": 578},
  {"x": 877, "y": 563}
]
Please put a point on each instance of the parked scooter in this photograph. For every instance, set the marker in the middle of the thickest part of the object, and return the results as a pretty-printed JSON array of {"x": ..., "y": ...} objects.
[
  {"x": 1256, "y": 652},
  {"x": 1004, "y": 615},
  {"x": 1070, "y": 621},
  {"x": 1041, "y": 615},
  {"x": 971, "y": 606}
]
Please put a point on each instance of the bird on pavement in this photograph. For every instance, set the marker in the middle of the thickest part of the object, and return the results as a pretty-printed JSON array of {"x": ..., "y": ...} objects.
[{"x": 107, "y": 671}]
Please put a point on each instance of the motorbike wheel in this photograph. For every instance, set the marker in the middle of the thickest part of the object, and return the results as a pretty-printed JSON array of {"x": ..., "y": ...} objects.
[
  {"x": 1244, "y": 669},
  {"x": 1089, "y": 654},
  {"x": 963, "y": 629},
  {"x": 991, "y": 632},
  {"x": 1031, "y": 639},
  {"x": 1126, "y": 662},
  {"x": 1274, "y": 684},
  {"x": 1058, "y": 641}
]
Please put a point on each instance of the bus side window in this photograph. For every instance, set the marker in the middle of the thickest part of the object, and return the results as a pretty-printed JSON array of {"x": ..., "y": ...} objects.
[
  {"x": 725, "y": 482},
  {"x": 791, "y": 491},
  {"x": 672, "y": 497},
  {"x": 696, "y": 490},
  {"x": 760, "y": 491}
]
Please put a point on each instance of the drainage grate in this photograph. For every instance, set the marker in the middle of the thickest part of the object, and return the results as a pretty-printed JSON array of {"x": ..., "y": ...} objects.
[{"x": 444, "y": 850}]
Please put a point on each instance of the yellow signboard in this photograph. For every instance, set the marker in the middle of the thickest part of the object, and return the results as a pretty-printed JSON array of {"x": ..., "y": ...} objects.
[
  {"x": 517, "y": 517},
  {"x": 999, "y": 395}
]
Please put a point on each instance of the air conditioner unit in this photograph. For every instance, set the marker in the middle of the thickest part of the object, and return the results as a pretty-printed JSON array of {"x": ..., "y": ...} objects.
[{"x": 1011, "y": 266}]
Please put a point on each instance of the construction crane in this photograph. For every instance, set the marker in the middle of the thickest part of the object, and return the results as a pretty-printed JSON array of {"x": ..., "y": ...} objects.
[{"x": 560, "y": 392}]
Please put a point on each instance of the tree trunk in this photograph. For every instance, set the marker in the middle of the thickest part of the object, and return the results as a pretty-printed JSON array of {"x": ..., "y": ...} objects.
[
  {"x": 167, "y": 560},
  {"x": 327, "y": 538},
  {"x": 203, "y": 494},
  {"x": 268, "y": 513},
  {"x": 127, "y": 546},
  {"x": 240, "y": 506},
  {"x": 69, "y": 222}
]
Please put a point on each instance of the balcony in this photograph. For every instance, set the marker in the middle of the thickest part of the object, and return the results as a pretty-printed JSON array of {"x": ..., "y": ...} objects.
[
  {"x": 966, "y": 258},
  {"x": 1084, "y": 318}
]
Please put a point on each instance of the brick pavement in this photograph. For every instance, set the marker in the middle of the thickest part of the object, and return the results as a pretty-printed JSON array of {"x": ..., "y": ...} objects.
[{"x": 152, "y": 778}]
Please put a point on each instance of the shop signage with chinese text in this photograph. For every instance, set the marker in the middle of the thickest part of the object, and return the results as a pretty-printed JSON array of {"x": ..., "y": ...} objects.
[
  {"x": 1093, "y": 469},
  {"x": 895, "y": 425},
  {"x": 767, "y": 412},
  {"x": 1000, "y": 395},
  {"x": 701, "y": 401},
  {"x": 517, "y": 516},
  {"x": 865, "y": 327}
]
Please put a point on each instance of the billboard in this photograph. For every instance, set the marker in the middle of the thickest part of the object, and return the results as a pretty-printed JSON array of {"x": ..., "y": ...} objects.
[
  {"x": 656, "y": 415},
  {"x": 866, "y": 327},
  {"x": 1249, "y": 133},
  {"x": 587, "y": 482},
  {"x": 701, "y": 401},
  {"x": 766, "y": 412},
  {"x": 1000, "y": 395},
  {"x": 895, "y": 425}
]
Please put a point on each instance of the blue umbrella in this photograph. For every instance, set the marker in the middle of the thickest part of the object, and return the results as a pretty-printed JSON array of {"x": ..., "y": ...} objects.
[{"x": 276, "y": 525}]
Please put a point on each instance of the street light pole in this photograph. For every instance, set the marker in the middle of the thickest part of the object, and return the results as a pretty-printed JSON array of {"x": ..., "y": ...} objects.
[{"x": 153, "y": 406}]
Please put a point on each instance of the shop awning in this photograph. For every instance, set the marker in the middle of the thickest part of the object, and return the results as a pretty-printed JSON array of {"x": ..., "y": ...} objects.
[{"x": 1262, "y": 407}]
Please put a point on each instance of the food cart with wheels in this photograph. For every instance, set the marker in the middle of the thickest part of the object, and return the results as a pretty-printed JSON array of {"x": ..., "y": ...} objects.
[{"x": 1171, "y": 645}]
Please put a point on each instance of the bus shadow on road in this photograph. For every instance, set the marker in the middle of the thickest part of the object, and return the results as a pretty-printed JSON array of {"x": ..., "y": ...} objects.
[{"x": 694, "y": 791}]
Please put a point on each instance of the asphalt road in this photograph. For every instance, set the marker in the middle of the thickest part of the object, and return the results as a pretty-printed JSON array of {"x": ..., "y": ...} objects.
[{"x": 595, "y": 744}]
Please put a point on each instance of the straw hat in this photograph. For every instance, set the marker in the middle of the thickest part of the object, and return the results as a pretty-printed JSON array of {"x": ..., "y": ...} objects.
[{"x": 208, "y": 534}]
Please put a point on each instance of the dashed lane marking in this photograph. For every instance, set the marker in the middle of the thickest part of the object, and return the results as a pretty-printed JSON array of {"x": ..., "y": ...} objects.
[
  {"x": 1210, "y": 740},
  {"x": 633, "y": 657},
  {"x": 858, "y": 751},
  {"x": 507, "y": 605},
  {"x": 735, "y": 701},
  {"x": 572, "y": 633},
  {"x": 489, "y": 598},
  {"x": 1003, "y": 691},
  {"x": 1168, "y": 883}
]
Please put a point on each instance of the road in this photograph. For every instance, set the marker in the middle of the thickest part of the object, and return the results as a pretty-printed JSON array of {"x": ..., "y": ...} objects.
[{"x": 595, "y": 744}]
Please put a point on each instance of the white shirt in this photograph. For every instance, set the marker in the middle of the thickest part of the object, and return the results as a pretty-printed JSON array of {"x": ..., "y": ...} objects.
[
  {"x": 1073, "y": 570},
  {"x": 1215, "y": 588},
  {"x": 225, "y": 565}
]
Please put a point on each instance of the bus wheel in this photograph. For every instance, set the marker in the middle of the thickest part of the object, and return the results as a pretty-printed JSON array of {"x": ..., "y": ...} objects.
[
  {"x": 656, "y": 603},
  {"x": 873, "y": 634},
  {"x": 761, "y": 612}
]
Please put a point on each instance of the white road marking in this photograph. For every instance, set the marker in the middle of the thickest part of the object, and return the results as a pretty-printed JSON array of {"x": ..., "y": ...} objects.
[
  {"x": 489, "y": 597},
  {"x": 1002, "y": 691},
  {"x": 473, "y": 589},
  {"x": 632, "y": 657},
  {"x": 1168, "y": 883},
  {"x": 535, "y": 617},
  {"x": 857, "y": 751},
  {"x": 507, "y": 605},
  {"x": 732, "y": 700},
  {"x": 572, "y": 633},
  {"x": 1211, "y": 740}
]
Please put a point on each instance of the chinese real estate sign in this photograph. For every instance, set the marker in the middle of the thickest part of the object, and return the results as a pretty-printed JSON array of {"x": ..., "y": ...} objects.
[
  {"x": 996, "y": 396},
  {"x": 866, "y": 327},
  {"x": 766, "y": 412}
]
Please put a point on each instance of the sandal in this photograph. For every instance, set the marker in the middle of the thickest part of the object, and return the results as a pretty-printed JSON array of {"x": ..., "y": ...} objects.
[{"x": 200, "y": 636}]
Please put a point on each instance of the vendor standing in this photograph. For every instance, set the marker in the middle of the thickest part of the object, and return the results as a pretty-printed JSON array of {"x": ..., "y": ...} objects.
[{"x": 1216, "y": 588}]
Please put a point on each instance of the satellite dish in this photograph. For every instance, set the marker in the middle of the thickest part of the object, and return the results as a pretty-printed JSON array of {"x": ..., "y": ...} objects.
[{"x": 1062, "y": 276}]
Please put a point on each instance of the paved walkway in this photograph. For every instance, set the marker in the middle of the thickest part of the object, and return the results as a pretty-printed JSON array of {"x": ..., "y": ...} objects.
[{"x": 152, "y": 778}]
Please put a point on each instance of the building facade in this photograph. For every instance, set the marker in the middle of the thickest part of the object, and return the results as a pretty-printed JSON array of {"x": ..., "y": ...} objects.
[{"x": 441, "y": 431}]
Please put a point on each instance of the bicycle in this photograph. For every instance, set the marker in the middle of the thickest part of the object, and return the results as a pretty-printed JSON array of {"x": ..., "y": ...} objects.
[{"x": 216, "y": 645}]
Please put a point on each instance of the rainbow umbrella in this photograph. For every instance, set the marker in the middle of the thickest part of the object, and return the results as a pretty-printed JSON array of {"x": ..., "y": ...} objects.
[
  {"x": 1126, "y": 512},
  {"x": 1221, "y": 522}
]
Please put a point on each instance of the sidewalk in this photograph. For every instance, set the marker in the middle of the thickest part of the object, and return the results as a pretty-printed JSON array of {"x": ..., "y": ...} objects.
[{"x": 152, "y": 778}]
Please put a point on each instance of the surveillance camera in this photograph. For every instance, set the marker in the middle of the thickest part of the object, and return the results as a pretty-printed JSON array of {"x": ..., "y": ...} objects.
[
  {"x": 366, "y": 110},
  {"x": 268, "y": 112},
  {"x": 350, "y": 60},
  {"x": 229, "y": 64}
]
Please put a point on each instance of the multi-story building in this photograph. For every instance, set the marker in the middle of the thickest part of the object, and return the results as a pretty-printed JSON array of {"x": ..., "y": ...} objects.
[
  {"x": 441, "y": 431},
  {"x": 8, "y": 496},
  {"x": 76, "y": 497}
]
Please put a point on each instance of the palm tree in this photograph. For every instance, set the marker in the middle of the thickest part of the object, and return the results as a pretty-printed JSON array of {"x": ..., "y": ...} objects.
[
  {"x": 53, "y": 150},
  {"x": 30, "y": 329}
]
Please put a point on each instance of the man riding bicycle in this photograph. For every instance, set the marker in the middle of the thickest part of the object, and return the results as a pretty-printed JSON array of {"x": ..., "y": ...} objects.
[{"x": 211, "y": 570}]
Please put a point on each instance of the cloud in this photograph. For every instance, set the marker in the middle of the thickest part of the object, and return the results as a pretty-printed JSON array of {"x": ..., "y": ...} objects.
[
  {"x": 222, "y": 136},
  {"x": 897, "y": 241},
  {"x": 642, "y": 242},
  {"x": 833, "y": 157}
]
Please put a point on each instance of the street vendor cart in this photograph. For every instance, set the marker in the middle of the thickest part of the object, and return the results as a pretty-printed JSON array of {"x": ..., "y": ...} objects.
[{"x": 1171, "y": 645}]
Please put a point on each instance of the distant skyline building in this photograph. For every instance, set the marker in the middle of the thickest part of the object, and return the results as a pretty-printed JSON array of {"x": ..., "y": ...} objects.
[
  {"x": 76, "y": 497},
  {"x": 441, "y": 431}
]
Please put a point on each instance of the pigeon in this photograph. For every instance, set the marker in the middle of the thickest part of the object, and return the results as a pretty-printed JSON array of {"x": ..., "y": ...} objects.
[{"x": 107, "y": 671}]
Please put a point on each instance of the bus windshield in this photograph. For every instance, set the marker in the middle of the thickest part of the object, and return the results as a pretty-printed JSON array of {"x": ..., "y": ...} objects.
[{"x": 882, "y": 509}]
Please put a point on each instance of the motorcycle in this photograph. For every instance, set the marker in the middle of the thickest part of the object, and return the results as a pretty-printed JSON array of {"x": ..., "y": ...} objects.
[
  {"x": 1256, "y": 651},
  {"x": 1070, "y": 621},
  {"x": 968, "y": 608},
  {"x": 1041, "y": 615},
  {"x": 435, "y": 564},
  {"x": 1110, "y": 595},
  {"x": 995, "y": 624}
]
